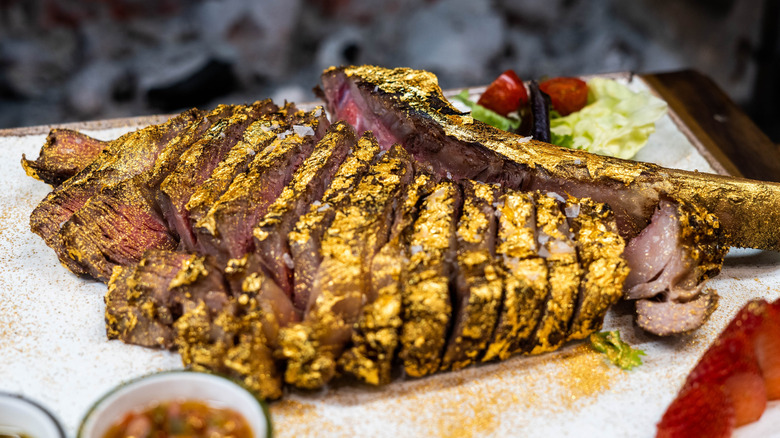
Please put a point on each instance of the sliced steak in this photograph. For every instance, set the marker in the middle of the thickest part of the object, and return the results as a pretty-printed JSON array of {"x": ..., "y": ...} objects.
[
  {"x": 230, "y": 340},
  {"x": 669, "y": 260},
  {"x": 117, "y": 225},
  {"x": 64, "y": 154},
  {"x": 427, "y": 306},
  {"x": 304, "y": 240},
  {"x": 255, "y": 145},
  {"x": 226, "y": 230},
  {"x": 125, "y": 157},
  {"x": 196, "y": 164},
  {"x": 563, "y": 275},
  {"x": 307, "y": 185},
  {"x": 600, "y": 249},
  {"x": 342, "y": 283},
  {"x": 525, "y": 275},
  {"x": 375, "y": 336},
  {"x": 478, "y": 285},
  {"x": 114, "y": 228},
  {"x": 138, "y": 301}
]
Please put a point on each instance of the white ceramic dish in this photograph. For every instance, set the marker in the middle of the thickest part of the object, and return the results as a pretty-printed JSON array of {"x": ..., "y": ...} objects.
[
  {"x": 19, "y": 416},
  {"x": 139, "y": 393}
]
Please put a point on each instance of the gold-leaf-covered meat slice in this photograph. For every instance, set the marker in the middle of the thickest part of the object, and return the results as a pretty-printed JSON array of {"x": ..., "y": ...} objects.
[
  {"x": 342, "y": 283},
  {"x": 524, "y": 272},
  {"x": 375, "y": 338},
  {"x": 478, "y": 282},
  {"x": 427, "y": 306}
]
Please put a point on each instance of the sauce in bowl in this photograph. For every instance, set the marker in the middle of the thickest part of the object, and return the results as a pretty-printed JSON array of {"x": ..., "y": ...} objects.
[{"x": 188, "y": 418}]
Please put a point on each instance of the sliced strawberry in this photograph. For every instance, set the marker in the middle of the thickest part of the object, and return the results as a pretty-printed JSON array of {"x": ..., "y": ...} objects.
[
  {"x": 748, "y": 320},
  {"x": 505, "y": 95},
  {"x": 732, "y": 365},
  {"x": 747, "y": 393},
  {"x": 767, "y": 345},
  {"x": 727, "y": 356},
  {"x": 698, "y": 411}
]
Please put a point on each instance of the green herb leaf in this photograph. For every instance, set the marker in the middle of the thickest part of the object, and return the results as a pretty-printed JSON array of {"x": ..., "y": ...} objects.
[
  {"x": 483, "y": 114},
  {"x": 617, "y": 351}
]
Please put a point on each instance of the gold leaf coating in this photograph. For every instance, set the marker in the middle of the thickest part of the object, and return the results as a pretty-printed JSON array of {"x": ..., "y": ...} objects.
[{"x": 426, "y": 299}]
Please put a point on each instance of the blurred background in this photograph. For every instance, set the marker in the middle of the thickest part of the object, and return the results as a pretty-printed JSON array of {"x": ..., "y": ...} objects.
[{"x": 69, "y": 60}]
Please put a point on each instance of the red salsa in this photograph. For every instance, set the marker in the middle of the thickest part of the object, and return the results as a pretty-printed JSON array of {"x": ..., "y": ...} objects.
[{"x": 181, "y": 419}]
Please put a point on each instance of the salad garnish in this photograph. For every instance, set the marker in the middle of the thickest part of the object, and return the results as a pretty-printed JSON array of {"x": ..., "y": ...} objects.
[
  {"x": 616, "y": 121},
  {"x": 601, "y": 115}
]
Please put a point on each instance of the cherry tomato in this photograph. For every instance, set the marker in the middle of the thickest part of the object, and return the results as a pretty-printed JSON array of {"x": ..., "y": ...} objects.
[
  {"x": 506, "y": 94},
  {"x": 566, "y": 94}
]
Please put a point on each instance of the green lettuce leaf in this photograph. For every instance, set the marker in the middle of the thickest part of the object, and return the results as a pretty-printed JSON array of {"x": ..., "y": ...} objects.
[
  {"x": 617, "y": 351},
  {"x": 483, "y": 114},
  {"x": 616, "y": 121}
]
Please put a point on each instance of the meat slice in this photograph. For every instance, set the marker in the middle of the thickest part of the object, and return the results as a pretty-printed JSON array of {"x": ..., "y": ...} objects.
[
  {"x": 600, "y": 249},
  {"x": 478, "y": 285},
  {"x": 304, "y": 240},
  {"x": 196, "y": 164},
  {"x": 563, "y": 275},
  {"x": 226, "y": 230},
  {"x": 427, "y": 306},
  {"x": 139, "y": 303},
  {"x": 125, "y": 157},
  {"x": 230, "y": 340},
  {"x": 670, "y": 259},
  {"x": 256, "y": 144},
  {"x": 114, "y": 228},
  {"x": 342, "y": 283},
  {"x": 525, "y": 275},
  {"x": 307, "y": 185},
  {"x": 64, "y": 154},
  {"x": 407, "y": 106},
  {"x": 375, "y": 338},
  {"x": 117, "y": 225}
]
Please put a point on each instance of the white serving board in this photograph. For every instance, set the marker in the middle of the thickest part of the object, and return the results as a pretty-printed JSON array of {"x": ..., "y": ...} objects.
[{"x": 54, "y": 349}]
